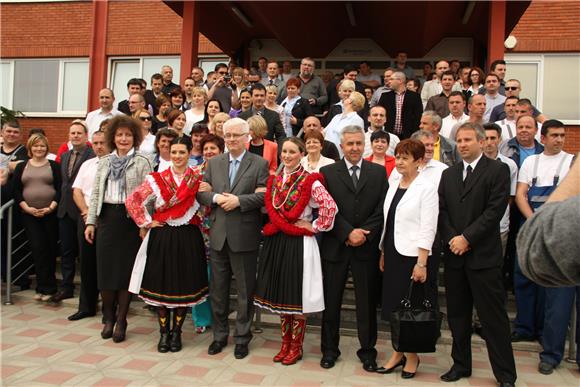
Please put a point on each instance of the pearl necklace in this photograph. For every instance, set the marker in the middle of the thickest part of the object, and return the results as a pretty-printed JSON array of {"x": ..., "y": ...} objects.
[{"x": 289, "y": 188}]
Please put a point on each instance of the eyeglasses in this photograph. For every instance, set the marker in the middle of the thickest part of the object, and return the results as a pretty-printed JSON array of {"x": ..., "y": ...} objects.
[
  {"x": 511, "y": 88},
  {"x": 145, "y": 118},
  {"x": 232, "y": 136},
  {"x": 222, "y": 72}
]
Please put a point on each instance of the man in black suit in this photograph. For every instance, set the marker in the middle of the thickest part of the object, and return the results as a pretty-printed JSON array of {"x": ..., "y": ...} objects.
[
  {"x": 68, "y": 212},
  {"x": 473, "y": 195},
  {"x": 403, "y": 117},
  {"x": 275, "y": 128},
  {"x": 359, "y": 189}
]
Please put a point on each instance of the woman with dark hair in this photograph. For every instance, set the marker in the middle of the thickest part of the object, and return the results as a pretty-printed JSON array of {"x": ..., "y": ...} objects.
[
  {"x": 380, "y": 145},
  {"x": 118, "y": 174},
  {"x": 163, "y": 139},
  {"x": 211, "y": 146},
  {"x": 177, "y": 96},
  {"x": 160, "y": 120},
  {"x": 37, "y": 185},
  {"x": 314, "y": 160},
  {"x": 213, "y": 107},
  {"x": 245, "y": 103},
  {"x": 475, "y": 81},
  {"x": 296, "y": 108},
  {"x": 197, "y": 132},
  {"x": 176, "y": 120},
  {"x": 147, "y": 146},
  {"x": 411, "y": 203},
  {"x": 290, "y": 275},
  {"x": 170, "y": 270}
]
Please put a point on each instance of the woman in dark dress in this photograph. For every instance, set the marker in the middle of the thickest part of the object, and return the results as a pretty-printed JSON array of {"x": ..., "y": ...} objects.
[
  {"x": 289, "y": 274},
  {"x": 118, "y": 174},
  {"x": 170, "y": 271},
  {"x": 411, "y": 209}
]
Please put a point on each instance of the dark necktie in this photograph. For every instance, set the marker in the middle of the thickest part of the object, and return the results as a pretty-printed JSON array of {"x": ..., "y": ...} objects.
[
  {"x": 468, "y": 172},
  {"x": 354, "y": 168},
  {"x": 72, "y": 162}
]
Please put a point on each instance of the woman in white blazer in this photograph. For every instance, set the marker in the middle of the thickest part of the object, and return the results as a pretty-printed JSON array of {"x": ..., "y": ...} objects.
[{"x": 410, "y": 210}]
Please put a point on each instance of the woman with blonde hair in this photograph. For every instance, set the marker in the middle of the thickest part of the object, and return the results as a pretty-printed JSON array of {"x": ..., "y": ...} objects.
[
  {"x": 349, "y": 116},
  {"x": 196, "y": 113},
  {"x": 217, "y": 124},
  {"x": 37, "y": 187},
  {"x": 271, "y": 95},
  {"x": 258, "y": 145}
]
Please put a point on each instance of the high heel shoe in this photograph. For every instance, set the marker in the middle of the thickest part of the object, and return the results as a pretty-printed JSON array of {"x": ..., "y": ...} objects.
[
  {"x": 410, "y": 375},
  {"x": 120, "y": 331},
  {"x": 401, "y": 363},
  {"x": 107, "y": 331}
]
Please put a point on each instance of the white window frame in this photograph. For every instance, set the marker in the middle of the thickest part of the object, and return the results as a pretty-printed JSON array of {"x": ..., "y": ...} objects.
[
  {"x": 538, "y": 58},
  {"x": 132, "y": 59},
  {"x": 10, "y": 84},
  {"x": 60, "y": 113}
]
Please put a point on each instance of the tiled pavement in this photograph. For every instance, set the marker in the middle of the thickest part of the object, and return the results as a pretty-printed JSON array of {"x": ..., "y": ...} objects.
[{"x": 41, "y": 347}]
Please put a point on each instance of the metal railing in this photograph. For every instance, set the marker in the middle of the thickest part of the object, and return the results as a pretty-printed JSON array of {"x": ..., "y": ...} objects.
[{"x": 8, "y": 208}]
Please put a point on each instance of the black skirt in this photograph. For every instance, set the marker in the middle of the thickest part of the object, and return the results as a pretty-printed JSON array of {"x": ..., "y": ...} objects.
[
  {"x": 117, "y": 244},
  {"x": 176, "y": 270},
  {"x": 279, "y": 284}
]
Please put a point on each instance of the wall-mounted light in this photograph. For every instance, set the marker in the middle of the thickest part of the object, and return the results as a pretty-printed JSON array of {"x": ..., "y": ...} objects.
[
  {"x": 243, "y": 18},
  {"x": 510, "y": 42}
]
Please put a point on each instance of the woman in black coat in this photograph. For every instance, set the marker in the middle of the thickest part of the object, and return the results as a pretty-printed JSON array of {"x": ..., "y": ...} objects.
[{"x": 296, "y": 108}]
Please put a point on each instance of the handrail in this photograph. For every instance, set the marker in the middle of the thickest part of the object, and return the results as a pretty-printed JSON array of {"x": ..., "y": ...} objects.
[{"x": 8, "y": 206}]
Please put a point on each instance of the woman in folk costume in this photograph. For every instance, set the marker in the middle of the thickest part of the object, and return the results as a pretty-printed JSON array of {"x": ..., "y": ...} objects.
[
  {"x": 170, "y": 270},
  {"x": 290, "y": 275}
]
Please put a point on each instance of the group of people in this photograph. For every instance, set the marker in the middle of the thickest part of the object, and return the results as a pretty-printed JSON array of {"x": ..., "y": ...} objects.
[{"x": 179, "y": 188}]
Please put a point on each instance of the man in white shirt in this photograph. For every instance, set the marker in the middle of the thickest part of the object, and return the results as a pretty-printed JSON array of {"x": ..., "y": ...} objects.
[
  {"x": 508, "y": 124},
  {"x": 377, "y": 118},
  {"x": 433, "y": 87},
  {"x": 106, "y": 101},
  {"x": 492, "y": 96},
  {"x": 457, "y": 116},
  {"x": 539, "y": 176},
  {"x": 82, "y": 189}
]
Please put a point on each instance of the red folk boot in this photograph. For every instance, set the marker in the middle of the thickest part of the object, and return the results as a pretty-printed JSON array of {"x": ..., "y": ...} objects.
[
  {"x": 286, "y": 326},
  {"x": 298, "y": 331}
]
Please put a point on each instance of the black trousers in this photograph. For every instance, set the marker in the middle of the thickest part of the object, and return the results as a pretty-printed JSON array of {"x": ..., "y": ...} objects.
[
  {"x": 365, "y": 277},
  {"x": 69, "y": 246},
  {"x": 465, "y": 288},
  {"x": 42, "y": 235},
  {"x": 88, "y": 259}
]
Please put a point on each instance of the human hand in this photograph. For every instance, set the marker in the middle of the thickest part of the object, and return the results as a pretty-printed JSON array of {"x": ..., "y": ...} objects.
[
  {"x": 156, "y": 223},
  {"x": 382, "y": 261},
  {"x": 459, "y": 245},
  {"x": 304, "y": 224},
  {"x": 312, "y": 101},
  {"x": 419, "y": 274},
  {"x": 230, "y": 202},
  {"x": 357, "y": 237},
  {"x": 293, "y": 120},
  {"x": 90, "y": 233},
  {"x": 204, "y": 187}
]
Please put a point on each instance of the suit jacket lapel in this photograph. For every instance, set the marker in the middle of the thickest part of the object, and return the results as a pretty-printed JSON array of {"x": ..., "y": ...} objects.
[
  {"x": 225, "y": 168},
  {"x": 244, "y": 165},
  {"x": 344, "y": 175},
  {"x": 475, "y": 175}
]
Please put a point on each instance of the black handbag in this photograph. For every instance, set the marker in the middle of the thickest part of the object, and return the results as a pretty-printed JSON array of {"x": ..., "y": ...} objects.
[{"x": 415, "y": 329}]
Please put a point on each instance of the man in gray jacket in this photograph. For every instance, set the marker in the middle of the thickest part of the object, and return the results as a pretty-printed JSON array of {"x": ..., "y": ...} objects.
[{"x": 238, "y": 180}]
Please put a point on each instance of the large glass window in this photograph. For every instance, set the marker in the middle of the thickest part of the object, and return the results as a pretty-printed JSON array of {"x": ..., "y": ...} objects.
[
  {"x": 36, "y": 85},
  {"x": 562, "y": 87},
  {"x": 5, "y": 84},
  {"x": 75, "y": 86}
]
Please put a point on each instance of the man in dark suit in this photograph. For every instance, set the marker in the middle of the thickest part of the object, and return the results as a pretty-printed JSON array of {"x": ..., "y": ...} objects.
[
  {"x": 404, "y": 107},
  {"x": 473, "y": 195},
  {"x": 275, "y": 129},
  {"x": 68, "y": 212},
  {"x": 238, "y": 181},
  {"x": 359, "y": 189}
]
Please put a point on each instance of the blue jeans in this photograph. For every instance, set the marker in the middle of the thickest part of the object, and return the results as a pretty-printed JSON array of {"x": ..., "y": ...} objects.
[
  {"x": 530, "y": 300},
  {"x": 559, "y": 304}
]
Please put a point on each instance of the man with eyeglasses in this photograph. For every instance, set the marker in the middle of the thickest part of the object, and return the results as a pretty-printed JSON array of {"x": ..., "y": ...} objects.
[
  {"x": 238, "y": 181},
  {"x": 133, "y": 87},
  {"x": 513, "y": 89},
  {"x": 313, "y": 88},
  {"x": 223, "y": 89},
  {"x": 106, "y": 110},
  {"x": 383, "y": 89}
]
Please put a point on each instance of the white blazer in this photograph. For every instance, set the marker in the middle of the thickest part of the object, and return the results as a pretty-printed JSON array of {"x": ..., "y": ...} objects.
[{"x": 415, "y": 217}]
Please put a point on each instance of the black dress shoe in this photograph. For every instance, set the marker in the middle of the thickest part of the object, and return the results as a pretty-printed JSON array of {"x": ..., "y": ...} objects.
[
  {"x": 327, "y": 362},
  {"x": 401, "y": 363},
  {"x": 507, "y": 384},
  {"x": 216, "y": 347},
  {"x": 517, "y": 337},
  {"x": 241, "y": 351},
  {"x": 370, "y": 365},
  {"x": 59, "y": 296},
  {"x": 410, "y": 375},
  {"x": 454, "y": 375},
  {"x": 545, "y": 368},
  {"x": 80, "y": 315},
  {"x": 107, "y": 331}
]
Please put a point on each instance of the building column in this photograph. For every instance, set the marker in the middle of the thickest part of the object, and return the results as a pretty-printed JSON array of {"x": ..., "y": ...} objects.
[
  {"x": 496, "y": 34},
  {"x": 98, "y": 54},
  {"x": 189, "y": 39}
]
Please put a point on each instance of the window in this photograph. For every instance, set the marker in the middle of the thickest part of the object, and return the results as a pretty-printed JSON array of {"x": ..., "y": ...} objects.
[{"x": 45, "y": 85}]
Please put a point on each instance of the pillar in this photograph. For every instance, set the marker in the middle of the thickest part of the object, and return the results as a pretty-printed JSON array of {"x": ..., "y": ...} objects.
[
  {"x": 496, "y": 28},
  {"x": 189, "y": 38},
  {"x": 98, "y": 54}
]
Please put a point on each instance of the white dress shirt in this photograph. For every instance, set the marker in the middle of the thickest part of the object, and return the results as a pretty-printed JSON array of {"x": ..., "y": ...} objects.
[{"x": 449, "y": 122}]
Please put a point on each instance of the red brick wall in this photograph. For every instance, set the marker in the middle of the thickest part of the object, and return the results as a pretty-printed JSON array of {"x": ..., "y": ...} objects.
[
  {"x": 548, "y": 26},
  {"x": 572, "y": 144},
  {"x": 56, "y": 129}
]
